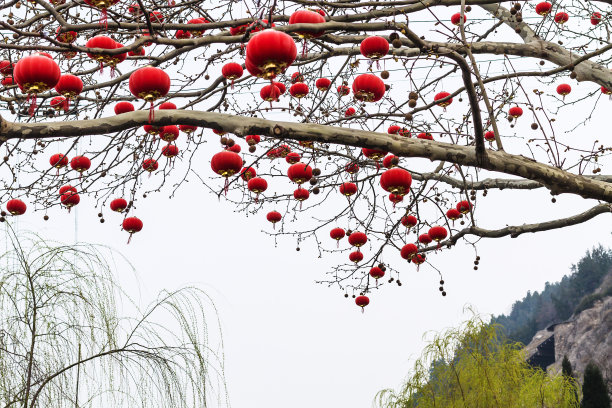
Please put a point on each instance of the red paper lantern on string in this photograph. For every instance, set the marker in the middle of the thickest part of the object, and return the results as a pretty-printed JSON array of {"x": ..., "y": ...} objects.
[
  {"x": 270, "y": 52},
  {"x": 269, "y": 93},
  {"x": 297, "y": 77},
  {"x": 307, "y": 17},
  {"x": 301, "y": 194},
  {"x": 123, "y": 107},
  {"x": 456, "y": 19},
  {"x": 274, "y": 217},
  {"x": 232, "y": 71},
  {"x": 16, "y": 207},
  {"x": 67, "y": 189},
  {"x": 113, "y": 60},
  {"x": 69, "y": 200},
  {"x": 58, "y": 160},
  {"x": 103, "y": 5},
  {"x": 132, "y": 225},
  {"x": 169, "y": 133},
  {"x": 368, "y": 88},
  {"x": 453, "y": 214},
  {"x": 515, "y": 112},
  {"x": 104, "y": 42},
  {"x": 170, "y": 151},
  {"x": 7, "y": 81},
  {"x": 561, "y": 17},
  {"x": 59, "y": 103},
  {"x": 247, "y": 173},
  {"x": 425, "y": 136},
  {"x": 373, "y": 154},
  {"x": 543, "y": 8},
  {"x": 80, "y": 163},
  {"x": 167, "y": 105},
  {"x": 418, "y": 259},
  {"x": 66, "y": 37},
  {"x": 182, "y": 35},
  {"x": 188, "y": 129},
  {"x": 376, "y": 272},
  {"x": 404, "y": 132},
  {"x": 299, "y": 90},
  {"x": 255, "y": 139},
  {"x": 442, "y": 95},
  {"x": 425, "y": 239},
  {"x": 396, "y": 181},
  {"x": 489, "y": 136},
  {"x": 396, "y": 198},
  {"x": 564, "y": 89},
  {"x": 138, "y": 52},
  {"x": 226, "y": 164},
  {"x": 408, "y": 251},
  {"x": 357, "y": 239},
  {"x": 348, "y": 189},
  {"x": 118, "y": 205},
  {"x": 349, "y": 112},
  {"x": 596, "y": 18},
  {"x": 437, "y": 233},
  {"x": 374, "y": 47},
  {"x": 235, "y": 148},
  {"x": 292, "y": 158},
  {"x": 356, "y": 256},
  {"x": 149, "y": 83},
  {"x": 69, "y": 86},
  {"x": 464, "y": 206},
  {"x": 201, "y": 20},
  {"x": 36, "y": 74},
  {"x": 409, "y": 221},
  {"x": 150, "y": 165},
  {"x": 393, "y": 129},
  {"x": 351, "y": 168},
  {"x": 362, "y": 301},
  {"x": 6, "y": 68},
  {"x": 337, "y": 234},
  {"x": 323, "y": 84},
  {"x": 299, "y": 173},
  {"x": 156, "y": 17},
  {"x": 389, "y": 160},
  {"x": 257, "y": 185},
  {"x": 343, "y": 90},
  {"x": 281, "y": 87}
]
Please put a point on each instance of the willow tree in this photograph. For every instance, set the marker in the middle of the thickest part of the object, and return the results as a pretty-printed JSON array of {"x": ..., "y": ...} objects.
[
  {"x": 475, "y": 366},
  {"x": 64, "y": 343},
  {"x": 493, "y": 95}
]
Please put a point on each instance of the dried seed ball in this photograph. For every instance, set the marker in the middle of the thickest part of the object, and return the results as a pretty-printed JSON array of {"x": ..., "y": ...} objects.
[
  {"x": 397, "y": 43},
  {"x": 534, "y": 126},
  {"x": 393, "y": 36},
  {"x": 46, "y": 218},
  {"x": 413, "y": 95},
  {"x": 384, "y": 75},
  {"x": 316, "y": 172}
]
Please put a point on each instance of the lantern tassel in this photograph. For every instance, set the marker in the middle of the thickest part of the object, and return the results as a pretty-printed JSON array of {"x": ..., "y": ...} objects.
[
  {"x": 362, "y": 310},
  {"x": 32, "y": 100},
  {"x": 104, "y": 19},
  {"x": 304, "y": 48},
  {"x": 337, "y": 243},
  {"x": 129, "y": 239},
  {"x": 151, "y": 113},
  {"x": 226, "y": 187}
]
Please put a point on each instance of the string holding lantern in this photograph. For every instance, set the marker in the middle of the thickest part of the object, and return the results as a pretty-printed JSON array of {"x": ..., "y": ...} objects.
[
  {"x": 232, "y": 71},
  {"x": 257, "y": 185},
  {"x": 269, "y": 53},
  {"x": 274, "y": 217},
  {"x": 102, "y": 5},
  {"x": 337, "y": 234},
  {"x": 118, "y": 205},
  {"x": 132, "y": 225},
  {"x": 36, "y": 74},
  {"x": 16, "y": 207},
  {"x": 226, "y": 164},
  {"x": 307, "y": 17},
  {"x": 150, "y": 84}
]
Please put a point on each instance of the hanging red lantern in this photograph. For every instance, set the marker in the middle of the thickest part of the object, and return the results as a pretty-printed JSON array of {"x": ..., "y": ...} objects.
[
  {"x": 257, "y": 185},
  {"x": 456, "y": 19},
  {"x": 198, "y": 33},
  {"x": 299, "y": 173},
  {"x": 36, "y": 74},
  {"x": 301, "y": 194},
  {"x": 464, "y": 206},
  {"x": 343, "y": 90},
  {"x": 182, "y": 35},
  {"x": 103, "y": 5},
  {"x": 247, "y": 173},
  {"x": 269, "y": 93},
  {"x": 80, "y": 163},
  {"x": 404, "y": 132},
  {"x": 356, "y": 256},
  {"x": 219, "y": 132},
  {"x": 114, "y": 60},
  {"x": 167, "y": 105},
  {"x": 123, "y": 107},
  {"x": 67, "y": 189},
  {"x": 362, "y": 301},
  {"x": 349, "y": 112},
  {"x": 59, "y": 103},
  {"x": 396, "y": 181},
  {"x": 235, "y": 148},
  {"x": 564, "y": 89},
  {"x": 272, "y": 154},
  {"x": 357, "y": 239},
  {"x": 132, "y": 225},
  {"x": 453, "y": 214},
  {"x": 274, "y": 217},
  {"x": 7, "y": 81},
  {"x": 283, "y": 150},
  {"x": 543, "y": 8},
  {"x": 425, "y": 239},
  {"x": 515, "y": 112},
  {"x": 271, "y": 52},
  {"x": 489, "y": 136},
  {"x": 66, "y": 37},
  {"x": 281, "y": 87},
  {"x": 298, "y": 90},
  {"x": 156, "y": 17},
  {"x": 393, "y": 129},
  {"x": 188, "y": 129},
  {"x": 374, "y": 47},
  {"x": 368, "y": 88},
  {"x": 232, "y": 71},
  {"x": 437, "y": 233},
  {"x": 297, "y": 77},
  {"x": 396, "y": 199},
  {"x": 418, "y": 259},
  {"x": 138, "y": 52},
  {"x": 252, "y": 139},
  {"x": 425, "y": 136},
  {"x": 337, "y": 234},
  {"x": 69, "y": 200},
  {"x": 408, "y": 251},
  {"x": 103, "y": 42},
  {"x": 58, "y": 160},
  {"x": 440, "y": 96},
  {"x": 16, "y": 207},
  {"x": 351, "y": 168},
  {"x": 153, "y": 130},
  {"x": 169, "y": 133},
  {"x": 373, "y": 154},
  {"x": 561, "y": 17},
  {"x": 307, "y": 17},
  {"x": 69, "y": 86},
  {"x": 170, "y": 150},
  {"x": 150, "y": 165},
  {"x": 390, "y": 161},
  {"x": 323, "y": 84},
  {"x": 149, "y": 83},
  {"x": 292, "y": 158},
  {"x": 6, "y": 68},
  {"x": 226, "y": 164},
  {"x": 596, "y": 18},
  {"x": 376, "y": 272},
  {"x": 348, "y": 189},
  {"x": 118, "y": 205},
  {"x": 409, "y": 221}
]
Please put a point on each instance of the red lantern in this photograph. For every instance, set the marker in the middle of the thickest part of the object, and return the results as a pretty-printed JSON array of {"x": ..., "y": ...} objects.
[
  {"x": 456, "y": 19},
  {"x": 255, "y": 139},
  {"x": 351, "y": 168},
  {"x": 373, "y": 154},
  {"x": 113, "y": 60},
  {"x": 7, "y": 81},
  {"x": 59, "y": 103},
  {"x": 489, "y": 136},
  {"x": 132, "y": 225},
  {"x": 70, "y": 199},
  {"x": 596, "y": 18},
  {"x": 337, "y": 234},
  {"x": 376, "y": 272},
  {"x": 299, "y": 173},
  {"x": 357, "y": 239},
  {"x": 170, "y": 151},
  {"x": 104, "y": 42},
  {"x": 374, "y": 47},
  {"x": 323, "y": 84},
  {"x": 299, "y": 90},
  {"x": 226, "y": 164},
  {"x": 182, "y": 35},
  {"x": 6, "y": 68},
  {"x": 348, "y": 189},
  {"x": 349, "y": 112},
  {"x": 356, "y": 256},
  {"x": 232, "y": 71},
  {"x": 16, "y": 207},
  {"x": 307, "y": 17},
  {"x": 66, "y": 37},
  {"x": 80, "y": 163},
  {"x": 58, "y": 161},
  {"x": 274, "y": 217},
  {"x": 389, "y": 160},
  {"x": 297, "y": 77},
  {"x": 425, "y": 135},
  {"x": 198, "y": 33},
  {"x": 292, "y": 158},
  {"x": 362, "y": 301},
  {"x": 118, "y": 205},
  {"x": 270, "y": 93},
  {"x": 257, "y": 185},
  {"x": 425, "y": 239},
  {"x": 156, "y": 17},
  {"x": 561, "y": 17},
  {"x": 515, "y": 112},
  {"x": 167, "y": 105},
  {"x": 149, "y": 83},
  {"x": 248, "y": 173},
  {"x": 408, "y": 251},
  {"x": 301, "y": 194},
  {"x": 396, "y": 199},
  {"x": 153, "y": 130},
  {"x": 150, "y": 165},
  {"x": 123, "y": 107},
  {"x": 36, "y": 74},
  {"x": 281, "y": 87},
  {"x": 404, "y": 132},
  {"x": 169, "y": 133},
  {"x": 283, "y": 150},
  {"x": 396, "y": 181},
  {"x": 453, "y": 214},
  {"x": 368, "y": 88},
  {"x": 67, "y": 189},
  {"x": 543, "y": 8},
  {"x": 69, "y": 86},
  {"x": 270, "y": 52},
  {"x": 564, "y": 89},
  {"x": 418, "y": 259},
  {"x": 136, "y": 53},
  {"x": 102, "y": 5},
  {"x": 188, "y": 129},
  {"x": 409, "y": 221},
  {"x": 442, "y": 95},
  {"x": 437, "y": 233},
  {"x": 464, "y": 207},
  {"x": 343, "y": 90},
  {"x": 393, "y": 130}
]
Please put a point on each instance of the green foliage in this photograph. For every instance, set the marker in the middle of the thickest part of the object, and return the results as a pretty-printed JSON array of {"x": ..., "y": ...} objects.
[
  {"x": 558, "y": 301},
  {"x": 475, "y": 366},
  {"x": 568, "y": 372},
  {"x": 594, "y": 391}
]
